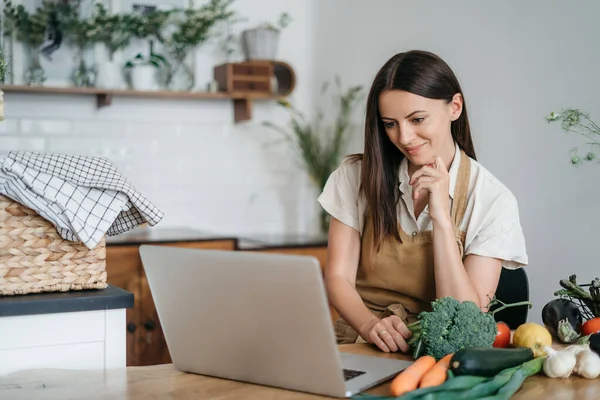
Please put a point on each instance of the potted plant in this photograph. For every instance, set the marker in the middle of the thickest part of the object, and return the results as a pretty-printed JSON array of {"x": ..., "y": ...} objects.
[
  {"x": 190, "y": 28},
  {"x": 321, "y": 144},
  {"x": 82, "y": 33},
  {"x": 143, "y": 70},
  {"x": 261, "y": 43},
  {"x": 30, "y": 30},
  {"x": 114, "y": 36},
  {"x": 579, "y": 122}
]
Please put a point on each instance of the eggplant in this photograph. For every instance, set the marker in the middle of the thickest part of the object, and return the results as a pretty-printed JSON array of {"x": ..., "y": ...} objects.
[
  {"x": 563, "y": 319},
  {"x": 595, "y": 343}
]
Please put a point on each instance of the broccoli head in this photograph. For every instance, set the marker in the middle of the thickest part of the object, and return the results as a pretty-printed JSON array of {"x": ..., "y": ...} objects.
[{"x": 451, "y": 326}]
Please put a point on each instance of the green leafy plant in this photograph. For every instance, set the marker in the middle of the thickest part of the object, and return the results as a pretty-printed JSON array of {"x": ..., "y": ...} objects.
[
  {"x": 189, "y": 28},
  {"x": 154, "y": 59},
  {"x": 81, "y": 32},
  {"x": 4, "y": 67},
  {"x": 193, "y": 26},
  {"x": 579, "y": 122},
  {"x": 113, "y": 32},
  {"x": 321, "y": 145},
  {"x": 30, "y": 28},
  {"x": 150, "y": 25}
]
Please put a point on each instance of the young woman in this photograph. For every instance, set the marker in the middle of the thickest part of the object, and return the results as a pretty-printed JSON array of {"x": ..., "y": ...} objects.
[{"x": 415, "y": 217}]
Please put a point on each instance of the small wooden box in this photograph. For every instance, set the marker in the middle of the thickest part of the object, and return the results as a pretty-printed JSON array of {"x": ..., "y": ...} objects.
[{"x": 245, "y": 77}]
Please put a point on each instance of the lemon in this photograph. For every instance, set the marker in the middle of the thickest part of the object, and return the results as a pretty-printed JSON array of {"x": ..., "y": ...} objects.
[{"x": 534, "y": 336}]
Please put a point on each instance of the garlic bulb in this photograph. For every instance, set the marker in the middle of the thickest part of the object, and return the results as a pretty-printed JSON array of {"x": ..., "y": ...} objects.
[
  {"x": 588, "y": 364},
  {"x": 559, "y": 364},
  {"x": 577, "y": 348}
]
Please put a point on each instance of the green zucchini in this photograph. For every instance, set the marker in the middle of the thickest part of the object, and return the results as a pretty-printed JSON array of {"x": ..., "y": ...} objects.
[{"x": 488, "y": 361}]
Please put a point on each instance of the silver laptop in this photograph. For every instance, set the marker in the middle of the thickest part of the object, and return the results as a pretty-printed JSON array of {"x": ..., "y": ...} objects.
[{"x": 255, "y": 317}]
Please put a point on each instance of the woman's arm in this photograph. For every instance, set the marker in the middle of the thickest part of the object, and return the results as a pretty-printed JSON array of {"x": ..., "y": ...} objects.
[
  {"x": 475, "y": 279},
  {"x": 343, "y": 254}
]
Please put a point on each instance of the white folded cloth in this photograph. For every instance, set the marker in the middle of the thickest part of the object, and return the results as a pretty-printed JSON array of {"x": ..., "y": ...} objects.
[{"x": 84, "y": 197}]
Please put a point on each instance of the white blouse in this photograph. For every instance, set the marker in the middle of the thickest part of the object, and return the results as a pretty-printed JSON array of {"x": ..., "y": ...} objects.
[{"x": 491, "y": 219}]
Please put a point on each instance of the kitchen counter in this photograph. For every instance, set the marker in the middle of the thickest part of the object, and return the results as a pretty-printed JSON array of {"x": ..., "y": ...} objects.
[
  {"x": 242, "y": 242},
  {"x": 164, "y": 381},
  {"x": 64, "y": 302},
  {"x": 164, "y": 235}
]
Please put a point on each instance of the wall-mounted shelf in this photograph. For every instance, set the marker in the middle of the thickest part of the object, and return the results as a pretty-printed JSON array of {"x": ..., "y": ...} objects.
[
  {"x": 241, "y": 82},
  {"x": 242, "y": 101}
]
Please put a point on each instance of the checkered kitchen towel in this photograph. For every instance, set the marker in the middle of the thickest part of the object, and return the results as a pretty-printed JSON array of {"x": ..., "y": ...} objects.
[{"x": 84, "y": 197}]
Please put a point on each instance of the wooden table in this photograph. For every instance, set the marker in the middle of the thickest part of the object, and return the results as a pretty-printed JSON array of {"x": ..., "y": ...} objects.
[{"x": 164, "y": 382}]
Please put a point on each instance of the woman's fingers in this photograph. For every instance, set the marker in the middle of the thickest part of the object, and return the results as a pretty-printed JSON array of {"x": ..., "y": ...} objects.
[
  {"x": 376, "y": 337},
  {"x": 426, "y": 170},
  {"x": 423, "y": 183},
  {"x": 402, "y": 328},
  {"x": 400, "y": 332},
  {"x": 390, "y": 335},
  {"x": 389, "y": 340},
  {"x": 439, "y": 164}
]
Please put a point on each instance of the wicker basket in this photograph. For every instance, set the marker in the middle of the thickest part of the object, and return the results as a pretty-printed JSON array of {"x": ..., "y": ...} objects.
[{"x": 34, "y": 258}]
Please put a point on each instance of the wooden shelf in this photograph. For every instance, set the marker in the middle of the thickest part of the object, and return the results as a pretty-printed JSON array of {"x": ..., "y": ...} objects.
[{"x": 242, "y": 101}]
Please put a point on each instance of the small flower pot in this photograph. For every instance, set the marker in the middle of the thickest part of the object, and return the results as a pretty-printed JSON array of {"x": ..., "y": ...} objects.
[
  {"x": 110, "y": 75},
  {"x": 260, "y": 43},
  {"x": 143, "y": 78}
]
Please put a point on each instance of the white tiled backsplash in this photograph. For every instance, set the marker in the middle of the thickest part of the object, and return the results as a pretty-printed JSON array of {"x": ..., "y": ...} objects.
[{"x": 187, "y": 157}]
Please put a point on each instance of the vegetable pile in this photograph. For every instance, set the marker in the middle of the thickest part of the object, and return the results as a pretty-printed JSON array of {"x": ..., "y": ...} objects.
[
  {"x": 453, "y": 325},
  {"x": 500, "y": 386},
  {"x": 576, "y": 313},
  {"x": 463, "y": 353}
]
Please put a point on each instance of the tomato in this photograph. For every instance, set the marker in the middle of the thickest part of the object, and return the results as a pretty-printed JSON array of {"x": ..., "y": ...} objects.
[
  {"x": 591, "y": 326},
  {"x": 503, "y": 336}
]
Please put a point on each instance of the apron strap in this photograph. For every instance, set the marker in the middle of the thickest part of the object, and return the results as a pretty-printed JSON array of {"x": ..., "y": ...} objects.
[{"x": 459, "y": 204}]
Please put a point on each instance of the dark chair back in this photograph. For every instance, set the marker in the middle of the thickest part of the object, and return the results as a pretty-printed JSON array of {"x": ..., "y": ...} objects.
[{"x": 513, "y": 287}]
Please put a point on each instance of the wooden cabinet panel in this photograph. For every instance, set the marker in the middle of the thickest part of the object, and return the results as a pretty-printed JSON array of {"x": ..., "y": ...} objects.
[{"x": 123, "y": 269}]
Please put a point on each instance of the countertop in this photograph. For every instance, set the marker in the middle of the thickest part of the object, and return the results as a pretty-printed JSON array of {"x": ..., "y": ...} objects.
[
  {"x": 147, "y": 235},
  {"x": 165, "y": 382},
  {"x": 61, "y": 302}
]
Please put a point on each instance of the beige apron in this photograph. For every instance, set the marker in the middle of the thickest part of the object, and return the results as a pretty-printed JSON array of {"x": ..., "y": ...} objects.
[{"x": 400, "y": 279}]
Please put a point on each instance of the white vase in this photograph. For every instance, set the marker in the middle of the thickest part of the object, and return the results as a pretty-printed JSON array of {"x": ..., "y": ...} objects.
[
  {"x": 143, "y": 77},
  {"x": 110, "y": 76}
]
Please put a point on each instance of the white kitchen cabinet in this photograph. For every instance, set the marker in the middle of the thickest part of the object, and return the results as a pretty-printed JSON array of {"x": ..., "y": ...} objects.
[{"x": 76, "y": 332}]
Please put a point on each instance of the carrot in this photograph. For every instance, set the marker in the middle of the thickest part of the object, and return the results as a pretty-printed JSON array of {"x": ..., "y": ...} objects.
[
  {"x": 438, "y": 374},
  {"x": 409, "y": 379}
]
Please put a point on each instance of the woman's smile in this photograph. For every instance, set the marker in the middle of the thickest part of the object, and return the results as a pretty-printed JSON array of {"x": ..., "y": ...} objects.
[{"x": 414, "y": 150}]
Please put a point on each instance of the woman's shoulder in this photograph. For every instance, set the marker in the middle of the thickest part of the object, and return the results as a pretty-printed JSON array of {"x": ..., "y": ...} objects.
[
  {"x": 487, "y": 188},
  {"x": 350, "y": 168}
]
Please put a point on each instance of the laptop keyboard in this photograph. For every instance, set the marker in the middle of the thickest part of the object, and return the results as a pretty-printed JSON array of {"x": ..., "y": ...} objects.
[{"x": 351, "y": 373}]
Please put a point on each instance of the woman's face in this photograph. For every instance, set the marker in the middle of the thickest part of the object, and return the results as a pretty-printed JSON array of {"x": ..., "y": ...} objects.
[{"x": 418, "y": 126}]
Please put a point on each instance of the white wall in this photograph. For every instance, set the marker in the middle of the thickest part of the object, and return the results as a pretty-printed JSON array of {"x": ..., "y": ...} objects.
[
  {"x": 189, "y": 157},
  {"x": 516, "y": 61}
]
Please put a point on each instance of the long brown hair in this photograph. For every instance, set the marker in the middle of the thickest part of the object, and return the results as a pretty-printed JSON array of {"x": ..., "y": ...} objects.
[{"x": 421, "y": 73}]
